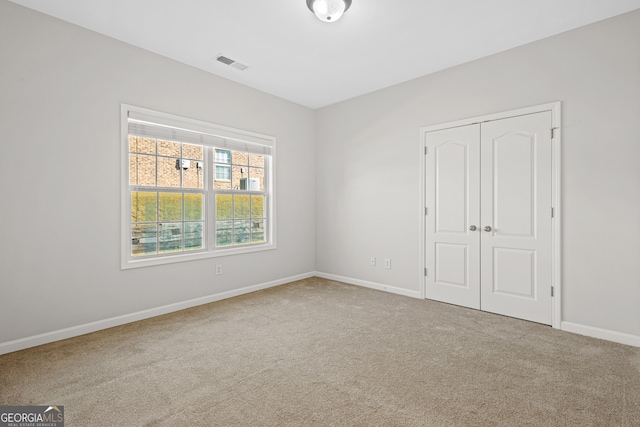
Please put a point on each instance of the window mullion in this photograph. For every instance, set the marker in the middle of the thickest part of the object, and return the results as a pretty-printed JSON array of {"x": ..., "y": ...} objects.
[
  {"x": 157, "y": 221},
  {"x": 184, "y": 226},
  {"x": 156, "y": 160},
  {"x": 211, "y": 198},
  {"x": 181, "y": 169}
]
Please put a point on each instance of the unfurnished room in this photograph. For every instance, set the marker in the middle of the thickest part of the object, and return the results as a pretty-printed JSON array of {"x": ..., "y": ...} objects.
[{"x": 320, "y": 213}]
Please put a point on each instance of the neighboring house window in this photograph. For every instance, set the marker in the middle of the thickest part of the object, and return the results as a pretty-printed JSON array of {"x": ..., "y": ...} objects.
[
  {"x": 223, "y": 156},
  {"x": 193, "y": 189},
  {"x": 223, "y": 173}
]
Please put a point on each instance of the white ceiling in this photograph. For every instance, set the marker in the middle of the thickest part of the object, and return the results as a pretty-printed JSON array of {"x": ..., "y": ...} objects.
[{"x": 293, "y": 55}]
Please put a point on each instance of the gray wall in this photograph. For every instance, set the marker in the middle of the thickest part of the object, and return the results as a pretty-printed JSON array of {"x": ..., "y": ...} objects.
[
  {"x": 60, "y": 92},
  {"x": 368, "y": 164}
]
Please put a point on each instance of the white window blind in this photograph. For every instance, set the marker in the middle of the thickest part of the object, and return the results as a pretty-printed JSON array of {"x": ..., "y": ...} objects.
[{"x": 165, "y": 128}]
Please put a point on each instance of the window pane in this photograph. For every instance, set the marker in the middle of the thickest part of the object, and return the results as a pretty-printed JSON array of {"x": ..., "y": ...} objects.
[
  {"x": 143, "y": 206},
  {"x": 241, "y": 206},
  {"x": 138, "y": 144},
  {"x": 241, "y": 232},
  {"x": 193, "y": 176},
  {"x": 224, "y": 206},
  {"x": 193, "y": 235},
  {"x": 168, "y": 148},
  {"x": 257, "y": 231},
  {"x": 257, "y": 206},
  {"x": 239, "y": 158},
  {"x": 142, "y": 170},
  {"x": 256, "y": 179},
  {"x": 256, "y": 160},
  {"x": 190, "y": 151},
  {"x": 170, "y": 207},
  {"x": 168, "y": 172},
  {"x": 224, "y": 233},
  {"x": 170, "y": 237},
  {"x": 143, "y": 239},
  {"x": 193, "y": 207}
]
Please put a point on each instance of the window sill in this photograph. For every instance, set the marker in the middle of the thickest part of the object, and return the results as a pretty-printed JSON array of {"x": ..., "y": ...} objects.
[{"x": 130, "y": 263}]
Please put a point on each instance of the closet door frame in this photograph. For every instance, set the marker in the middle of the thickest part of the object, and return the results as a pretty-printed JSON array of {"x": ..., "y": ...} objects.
[{"x": 556, "y": 144}]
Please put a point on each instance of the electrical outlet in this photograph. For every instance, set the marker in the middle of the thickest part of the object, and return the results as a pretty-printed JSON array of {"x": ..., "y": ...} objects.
[
  {"x": 218, "y": 269},
  {"x": 372, "y": 261},
  {"x": 387, "y": 264}
]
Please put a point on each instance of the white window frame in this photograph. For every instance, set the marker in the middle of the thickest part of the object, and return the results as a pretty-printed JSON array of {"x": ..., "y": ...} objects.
[{"x": 209, "y": 135}]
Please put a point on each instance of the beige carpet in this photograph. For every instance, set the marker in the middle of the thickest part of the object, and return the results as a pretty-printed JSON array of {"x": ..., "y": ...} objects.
[{"x": 323, "y": 353}]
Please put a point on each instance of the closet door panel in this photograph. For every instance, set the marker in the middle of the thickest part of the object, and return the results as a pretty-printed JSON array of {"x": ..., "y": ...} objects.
[
  {"x": 452, "y": 194},
  {"x": 516, "y": 217}
]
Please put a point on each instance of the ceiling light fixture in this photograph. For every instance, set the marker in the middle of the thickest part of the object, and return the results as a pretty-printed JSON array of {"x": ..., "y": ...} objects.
[{"x": 328, "y": 10}]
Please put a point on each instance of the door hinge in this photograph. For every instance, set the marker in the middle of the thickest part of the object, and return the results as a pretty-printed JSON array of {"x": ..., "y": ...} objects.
[
  {"x": 426, "y": 211},
  {"x": 425, "y": 150},
  {"x": 552, "y": 213},
  {"x": 425, "y": 272},
  {"x": 552, "y": 291},
  {"x": 553, "y": 132}
]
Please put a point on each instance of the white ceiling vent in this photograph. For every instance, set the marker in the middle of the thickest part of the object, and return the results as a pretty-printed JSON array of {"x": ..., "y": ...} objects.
[{"x": 232, "y": 62}]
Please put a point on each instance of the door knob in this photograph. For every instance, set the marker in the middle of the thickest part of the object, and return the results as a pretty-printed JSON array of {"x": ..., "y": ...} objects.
[
  {"x": 487, "y": 228},
  {"x": 473, "y": 228}
]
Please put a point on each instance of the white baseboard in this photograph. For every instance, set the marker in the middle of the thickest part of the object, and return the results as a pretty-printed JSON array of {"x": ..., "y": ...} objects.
[
  {"x": 371, "y": 285},
  {"x": 74, "y": 331},
  {"x": 603, "y": 334}
]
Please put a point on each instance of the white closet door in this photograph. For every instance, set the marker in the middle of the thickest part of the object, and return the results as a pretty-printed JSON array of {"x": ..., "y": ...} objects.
[
  {"x": 516, "y": 217},
  {"x": 452, "y": 194}
]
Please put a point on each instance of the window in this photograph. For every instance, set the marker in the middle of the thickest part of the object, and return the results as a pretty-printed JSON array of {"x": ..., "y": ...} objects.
[
  {"x": 223, "y": 173},
  {"x": 223, "y": 158},
  {"x": 193, "y": 190}
]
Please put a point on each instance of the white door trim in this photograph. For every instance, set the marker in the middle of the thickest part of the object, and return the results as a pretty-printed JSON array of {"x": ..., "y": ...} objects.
[{"x": 556, "y": 262}]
